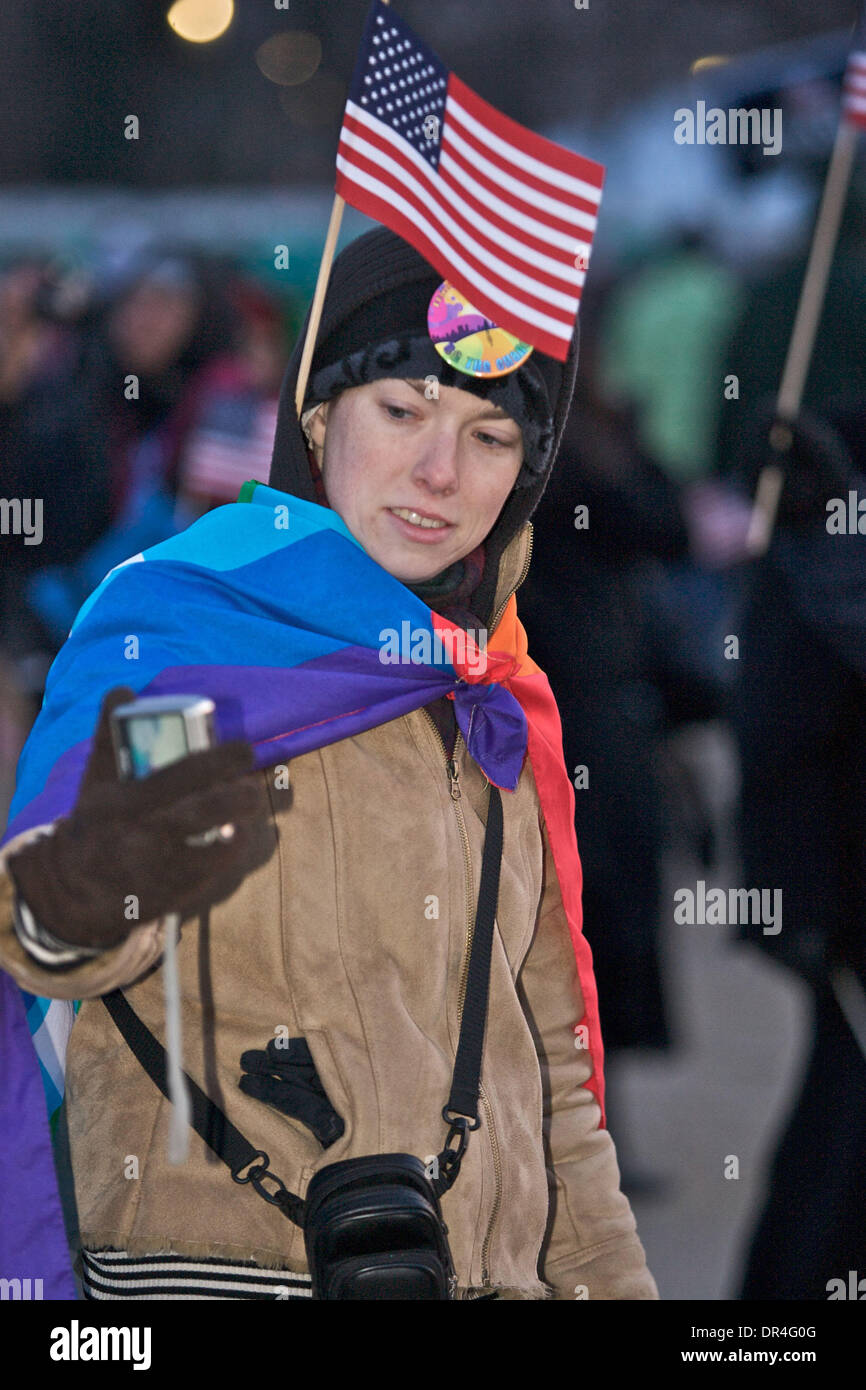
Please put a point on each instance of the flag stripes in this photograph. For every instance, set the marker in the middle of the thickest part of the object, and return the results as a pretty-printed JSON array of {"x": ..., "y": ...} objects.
[
  {"x": 854, "y": 89},
  {"x": 506, "y": 215}
]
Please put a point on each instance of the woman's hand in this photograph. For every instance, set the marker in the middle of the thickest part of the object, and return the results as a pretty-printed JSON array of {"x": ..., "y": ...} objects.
[{"x": 122, "y": 856}]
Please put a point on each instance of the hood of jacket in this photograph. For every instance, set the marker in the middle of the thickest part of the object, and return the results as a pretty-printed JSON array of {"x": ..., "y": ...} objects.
[{"x": 374, "y": 264}]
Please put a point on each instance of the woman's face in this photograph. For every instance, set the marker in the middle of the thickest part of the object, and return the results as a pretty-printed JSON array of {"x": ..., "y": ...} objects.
[{"x": 392, "y": 458}]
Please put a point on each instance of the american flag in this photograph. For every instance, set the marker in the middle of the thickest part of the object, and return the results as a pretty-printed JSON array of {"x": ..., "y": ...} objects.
[
  {"x": 504, "y": 214},
  {"x": 854, "y": 87},
  {"x": 234, "y": 442}
]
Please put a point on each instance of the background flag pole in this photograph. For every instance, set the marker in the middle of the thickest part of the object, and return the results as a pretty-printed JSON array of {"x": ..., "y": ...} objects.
[
  {"x": 319, "y": 295},
  {"x": 771, "y": 477}
]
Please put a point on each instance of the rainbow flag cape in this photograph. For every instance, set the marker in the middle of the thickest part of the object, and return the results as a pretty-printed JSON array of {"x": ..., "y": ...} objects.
[{"x": 273, "y": 609}]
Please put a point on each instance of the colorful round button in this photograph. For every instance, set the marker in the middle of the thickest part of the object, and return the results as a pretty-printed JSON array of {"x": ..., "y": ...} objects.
[{"x": 468, "y": 340}]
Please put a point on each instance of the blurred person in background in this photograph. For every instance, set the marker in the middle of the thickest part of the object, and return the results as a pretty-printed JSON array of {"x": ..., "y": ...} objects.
[
  {"x": 799, "y": 712},
  {"x": 38, "y": 305},
  {"x": 663, "y": 332},
  {"x": 232, "y": 436},
  {"x": 798, "y": 708},
  {"x": 95, "y": 431}
]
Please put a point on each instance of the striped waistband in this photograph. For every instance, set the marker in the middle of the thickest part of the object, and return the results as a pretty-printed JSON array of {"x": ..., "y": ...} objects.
[{"x": 110, "y": 1274}]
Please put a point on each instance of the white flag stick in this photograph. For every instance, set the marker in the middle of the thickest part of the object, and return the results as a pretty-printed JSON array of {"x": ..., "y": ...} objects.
[
  {"x": 802, "y": 342},
  {"x": 181, "y": 1106}
]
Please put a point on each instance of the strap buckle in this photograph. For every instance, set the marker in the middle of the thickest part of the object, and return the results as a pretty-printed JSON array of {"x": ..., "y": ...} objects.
[
  {"x": 458, "y": 1121},
  {"x": 451, "y": 1156},
  {"x": 257, "y": 1174}
]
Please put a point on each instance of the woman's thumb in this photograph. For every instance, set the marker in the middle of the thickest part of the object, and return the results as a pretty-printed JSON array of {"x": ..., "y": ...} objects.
[{"x": 102, "y": 764}]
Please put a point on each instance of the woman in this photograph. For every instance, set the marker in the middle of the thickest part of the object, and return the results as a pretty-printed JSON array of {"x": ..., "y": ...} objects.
[{"x": 339, "y": 916}]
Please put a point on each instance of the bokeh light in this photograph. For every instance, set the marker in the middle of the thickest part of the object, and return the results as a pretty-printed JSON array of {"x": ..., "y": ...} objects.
[
  {"x": 201, "y": 21},
  {"x": 289, "y": 58}
]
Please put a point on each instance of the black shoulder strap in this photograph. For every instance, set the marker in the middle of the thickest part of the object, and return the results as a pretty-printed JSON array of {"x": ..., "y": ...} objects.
[
  {"x": 466, "y": 1081},
  {"x": 237, "y": 1152},
  {"x": 215, "y": 1128}
]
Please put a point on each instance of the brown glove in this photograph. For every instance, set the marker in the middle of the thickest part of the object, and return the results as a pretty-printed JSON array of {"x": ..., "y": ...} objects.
[{"x": 129, "y": 838}]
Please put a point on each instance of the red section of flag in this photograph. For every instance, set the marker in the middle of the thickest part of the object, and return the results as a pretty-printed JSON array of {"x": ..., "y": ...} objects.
[{"x": 854, "y": 89}]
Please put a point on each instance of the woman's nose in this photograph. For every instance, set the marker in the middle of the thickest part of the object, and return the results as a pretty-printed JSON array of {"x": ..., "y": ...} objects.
[{"x": 436, "y": 464}]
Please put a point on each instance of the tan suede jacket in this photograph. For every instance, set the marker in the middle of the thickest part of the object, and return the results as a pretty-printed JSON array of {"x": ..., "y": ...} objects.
[{"x": 355, "y": 936}]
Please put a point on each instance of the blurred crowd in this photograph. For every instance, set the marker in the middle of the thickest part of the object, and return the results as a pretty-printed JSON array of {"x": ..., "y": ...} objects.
[
  {"x": 129, "y": 403},
  {"x": 130, "y": 407}
]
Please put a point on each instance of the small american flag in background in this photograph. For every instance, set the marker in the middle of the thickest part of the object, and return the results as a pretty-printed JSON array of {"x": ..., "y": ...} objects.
[
  {"x": 854, "y": 88},
  {"x": 504, "y": 214}
]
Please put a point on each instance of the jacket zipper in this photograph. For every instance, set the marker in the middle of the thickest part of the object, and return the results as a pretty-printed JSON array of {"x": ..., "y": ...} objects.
[
  {"x": 454, "y": 779},
  {"x": 524, "y": 572},
  {"x": 497, "y": 1196}
]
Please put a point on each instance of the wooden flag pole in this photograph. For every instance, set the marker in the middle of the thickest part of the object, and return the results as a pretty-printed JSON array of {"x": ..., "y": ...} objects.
[
  {"x": 319, "y": 300},
  {"x": 772, "y": 477},
  {"x": 319, "y": 295}
]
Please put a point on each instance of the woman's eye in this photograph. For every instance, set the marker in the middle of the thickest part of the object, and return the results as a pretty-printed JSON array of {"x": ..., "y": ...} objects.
[
  {"x": 397, "y": 412},
  {"x": 489, "y": 439}
]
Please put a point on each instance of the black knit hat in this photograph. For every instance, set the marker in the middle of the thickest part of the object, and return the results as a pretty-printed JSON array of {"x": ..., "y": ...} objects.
[
  {"x": 382, "y": 339},
  {"x": 374, "y": 324}
]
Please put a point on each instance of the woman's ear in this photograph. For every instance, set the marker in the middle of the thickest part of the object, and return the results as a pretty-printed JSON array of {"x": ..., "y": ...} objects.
[
  {"x": 313, "y": 424},
  {"x": 316, "y": 430}
]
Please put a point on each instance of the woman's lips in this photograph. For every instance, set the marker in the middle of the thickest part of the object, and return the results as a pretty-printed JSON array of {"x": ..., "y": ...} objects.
[{"x": 427, "y": 535}]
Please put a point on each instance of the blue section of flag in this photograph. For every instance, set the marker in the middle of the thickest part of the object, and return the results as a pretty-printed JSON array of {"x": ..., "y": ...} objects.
[
  {"x": 401, "y": 81},
  {"x": 236, "y": 589}
]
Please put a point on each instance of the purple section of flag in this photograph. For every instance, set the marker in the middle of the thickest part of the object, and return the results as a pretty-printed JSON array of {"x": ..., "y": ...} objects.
[
  {"x": 32, "y": 1238},
  {"x": 344, "y": 693},
  {"x": 309, "y": 705},
  {"x": 314, "y": 704},
  {"x": 494, "y": 726},
  {"x": 58, "y": 795}
]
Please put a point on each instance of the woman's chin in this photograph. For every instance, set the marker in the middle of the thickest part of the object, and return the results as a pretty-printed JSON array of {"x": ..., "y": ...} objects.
[
  {"x": 409, "y": 569},
  {"x": 418, "y": 575}
]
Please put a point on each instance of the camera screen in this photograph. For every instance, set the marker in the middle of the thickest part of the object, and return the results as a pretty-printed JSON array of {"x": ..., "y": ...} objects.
[{"x": 154, "y": 741}]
